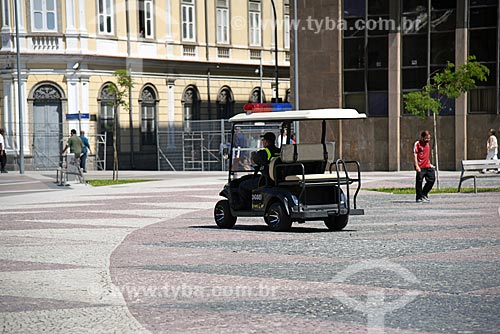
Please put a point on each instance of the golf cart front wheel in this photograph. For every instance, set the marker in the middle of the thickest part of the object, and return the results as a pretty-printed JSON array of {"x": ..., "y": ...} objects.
[
  {"x": 336, "y": 223},
  {"x": 277, "y": 218},
  {"x": 222, "y": 214}
]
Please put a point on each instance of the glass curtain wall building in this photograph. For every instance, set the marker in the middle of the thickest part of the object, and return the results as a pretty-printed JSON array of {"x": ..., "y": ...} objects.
[{"x": 381, "y": 49}]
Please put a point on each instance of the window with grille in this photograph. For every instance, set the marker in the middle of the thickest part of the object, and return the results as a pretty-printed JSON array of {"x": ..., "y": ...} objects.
[
  {"x": 44, "y": 15},
  {"x": 148, "y": 116},
  {"x": 106, "y": 112},
  {"x": 254, "y": 26},
  {"x": 286, "y": 29},
  {"x": 222, "y": 22},
  {"x": 5, "y": 13},
  {"x": 188, "y": 20},
  {"x": 105, "y": 10}
]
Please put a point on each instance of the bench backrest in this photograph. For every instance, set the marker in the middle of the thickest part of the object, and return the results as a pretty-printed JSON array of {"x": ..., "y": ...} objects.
[{"x": 480, "y": 164}]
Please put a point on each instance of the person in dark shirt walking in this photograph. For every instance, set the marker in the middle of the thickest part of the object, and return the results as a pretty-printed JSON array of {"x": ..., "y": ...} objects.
[{"x": 86, "y": 149}]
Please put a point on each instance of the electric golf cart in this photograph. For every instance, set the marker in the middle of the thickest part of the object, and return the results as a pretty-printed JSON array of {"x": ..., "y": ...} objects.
[{"x": 304, "y": 183}]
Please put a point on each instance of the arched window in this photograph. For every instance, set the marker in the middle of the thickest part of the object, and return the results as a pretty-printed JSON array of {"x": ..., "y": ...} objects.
[
  {"x": 225, "y": 103},
  {"x": 148, "y": 116},
  {"x": 47, "y": 93},
  {"x": 191, "y": 106},
  {"x": 106, "y": 112},
  {"x": 255, "y": 95}
]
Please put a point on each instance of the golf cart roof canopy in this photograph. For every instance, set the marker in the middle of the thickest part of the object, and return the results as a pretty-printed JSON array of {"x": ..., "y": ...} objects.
[{"x": 298, "y": 115}]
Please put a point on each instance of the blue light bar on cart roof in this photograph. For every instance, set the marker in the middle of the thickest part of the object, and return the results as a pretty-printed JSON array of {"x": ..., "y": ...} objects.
[{"x": 266, "y": 107}]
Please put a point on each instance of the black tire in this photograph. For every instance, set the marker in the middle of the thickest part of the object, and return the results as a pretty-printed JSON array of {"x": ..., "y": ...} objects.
[
  {"x": 336, "y": 223},
  {"x": 277, "y": 218},
  {"x": 222, "y": 214}
]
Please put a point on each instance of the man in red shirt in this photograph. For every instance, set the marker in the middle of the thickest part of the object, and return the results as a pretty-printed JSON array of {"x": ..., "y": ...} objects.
[{"x": 423, "y": 166}]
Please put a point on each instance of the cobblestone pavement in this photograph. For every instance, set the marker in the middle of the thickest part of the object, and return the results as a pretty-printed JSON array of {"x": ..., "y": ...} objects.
[{"x": 148, "y": 258}]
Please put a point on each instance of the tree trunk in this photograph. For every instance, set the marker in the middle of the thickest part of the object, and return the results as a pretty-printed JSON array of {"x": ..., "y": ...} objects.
[
  {"x": 115, "y": 151},
  {"x": 434, "y": 119}
]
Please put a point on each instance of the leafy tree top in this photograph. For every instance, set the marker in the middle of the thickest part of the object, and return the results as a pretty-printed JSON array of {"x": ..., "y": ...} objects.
[
  {"x": 123, "y": 83},
  {"x": 451, "y": 82}
]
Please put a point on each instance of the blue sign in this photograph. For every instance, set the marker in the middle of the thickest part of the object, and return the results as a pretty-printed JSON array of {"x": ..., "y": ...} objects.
[{"x": 76, "y": 117}]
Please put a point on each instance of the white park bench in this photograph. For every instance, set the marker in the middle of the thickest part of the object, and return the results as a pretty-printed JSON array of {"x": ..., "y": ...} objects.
[
  {"x": 477, "y": 166},
  {"x": 69, "y": 166}
]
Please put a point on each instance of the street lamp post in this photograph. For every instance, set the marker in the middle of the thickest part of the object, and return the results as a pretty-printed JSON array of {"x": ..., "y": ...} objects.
[
  {"x": 19, "y": 92},
  {"x": 275, "y": 49}
]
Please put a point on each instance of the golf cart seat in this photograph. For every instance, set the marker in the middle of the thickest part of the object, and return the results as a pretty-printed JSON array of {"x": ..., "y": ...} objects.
[{"x": 304, "y": 162}]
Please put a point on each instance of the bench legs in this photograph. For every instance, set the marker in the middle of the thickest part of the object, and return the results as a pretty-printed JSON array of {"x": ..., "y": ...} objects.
[
  {"x": 463, "y": 179},
  {"x": 61, "y": 177}
]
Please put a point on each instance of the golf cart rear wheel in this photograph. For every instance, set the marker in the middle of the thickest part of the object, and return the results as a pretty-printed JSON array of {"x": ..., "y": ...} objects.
[
  {"x": 336, "y": 223},
  {"x": 222, "y": 214},
  {"x": 277, "y": 218}
]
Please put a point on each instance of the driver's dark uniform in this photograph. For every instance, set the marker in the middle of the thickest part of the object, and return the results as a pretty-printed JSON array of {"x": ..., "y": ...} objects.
[{"x": 262, "y": 158}]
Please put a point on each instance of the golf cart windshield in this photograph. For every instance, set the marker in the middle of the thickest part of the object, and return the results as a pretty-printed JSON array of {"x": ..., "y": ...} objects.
[{"x": 249, "y": 127}]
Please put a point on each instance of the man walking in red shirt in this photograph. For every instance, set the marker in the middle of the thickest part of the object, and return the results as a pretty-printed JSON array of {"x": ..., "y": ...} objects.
[{"x": 423, "y": 166}]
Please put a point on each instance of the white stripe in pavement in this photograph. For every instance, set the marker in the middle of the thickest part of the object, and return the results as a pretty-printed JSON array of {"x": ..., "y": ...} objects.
[
  {"x": 146, "y": 213},
  {"x": 26, "y": 191},
  {"x": 17, "y": 182},
  {"x": 12, "y": 207},
  {"x": 176, "y": 205},
  {"x": 117, "y": 222}
]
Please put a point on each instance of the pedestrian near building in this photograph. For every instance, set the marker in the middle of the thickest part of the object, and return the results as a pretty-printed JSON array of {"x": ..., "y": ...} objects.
[
  {"x": 498, "y": 155},
  {"x": 75, "y": 146},
  {"x": 239, "y": 143},
  {"x": 85, "y": 151},
  {"x": 423, "y": 167},
  {"x": 3, "y": 155},
  {"x": 491, "y": 148}
]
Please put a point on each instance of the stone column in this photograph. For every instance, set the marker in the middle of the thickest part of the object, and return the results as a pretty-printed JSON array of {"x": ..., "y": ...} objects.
[
  {"x": 73, "y": 99},
  {"x": 394, "y": 98},
  {"x": 394, "y": 117},
  {"x": 24, "y": 105},
  {"x": 83, "y": 27},
  {"x": 168, "y": 23},
  {"x": 7, "y": 44},
  {"x": 84, "y": 102},
  {"x": 171, "y": 112},
  {"x": 71, "y": 34},
  {"x": 9, "y": 117}
]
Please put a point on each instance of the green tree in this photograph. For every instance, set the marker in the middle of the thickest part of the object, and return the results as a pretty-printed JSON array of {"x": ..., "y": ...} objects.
[
  {"x": 120, "y": 91},
  {"x": 449, "y": 83}
]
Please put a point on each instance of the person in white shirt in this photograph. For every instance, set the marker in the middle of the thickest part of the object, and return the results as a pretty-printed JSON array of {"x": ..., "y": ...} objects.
[
  {"x": 3, "y": 155},
  {"x": 492, "y": 148}
]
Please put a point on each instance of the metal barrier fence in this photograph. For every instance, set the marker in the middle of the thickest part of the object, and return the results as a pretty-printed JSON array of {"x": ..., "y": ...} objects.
[
  {"x": 188, "y": 146},
  {"x": 194, "y": 146},
  {"x": 43, "y": 146}
]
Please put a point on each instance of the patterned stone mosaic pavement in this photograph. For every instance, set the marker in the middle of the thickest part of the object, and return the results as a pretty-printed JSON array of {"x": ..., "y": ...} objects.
[{"x": 148, "y": 258}]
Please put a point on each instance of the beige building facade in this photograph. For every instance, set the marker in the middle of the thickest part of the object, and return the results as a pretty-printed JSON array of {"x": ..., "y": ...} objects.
[{"x": 190, "y": 61}]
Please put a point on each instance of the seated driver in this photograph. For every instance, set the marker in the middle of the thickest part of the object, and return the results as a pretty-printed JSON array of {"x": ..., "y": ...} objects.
[{"x": 261, "y": 158}]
